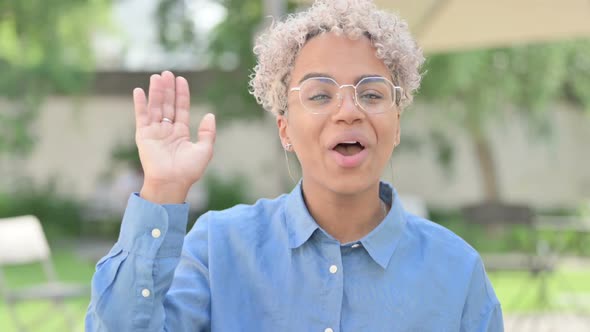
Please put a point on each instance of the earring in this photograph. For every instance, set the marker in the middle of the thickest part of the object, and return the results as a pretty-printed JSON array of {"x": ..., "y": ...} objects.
[{"x": 288, "y": 147}]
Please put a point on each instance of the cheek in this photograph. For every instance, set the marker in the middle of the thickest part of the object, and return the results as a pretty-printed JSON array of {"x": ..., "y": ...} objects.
[
  {"x": 303, "y": 130},
  {"x": 387, "y": 132},
  {"x": 305, "y": 136}
]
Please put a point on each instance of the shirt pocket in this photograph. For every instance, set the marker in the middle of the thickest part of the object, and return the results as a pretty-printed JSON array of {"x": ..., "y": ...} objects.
[{"x": 107, "y": 269}]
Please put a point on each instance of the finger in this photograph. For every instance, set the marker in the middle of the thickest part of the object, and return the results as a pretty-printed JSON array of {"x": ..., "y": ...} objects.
[
  {"x": 142, "y": 117},
  {"x": 169, "y": 95},
  {"x": 155, "y": 98},
  {"x": 183, "y": 101},
  {"x": 207, "y": 129}
]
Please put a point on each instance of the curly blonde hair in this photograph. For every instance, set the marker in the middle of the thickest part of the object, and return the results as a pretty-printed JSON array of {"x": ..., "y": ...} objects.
[{"x": 277, "y": 48}]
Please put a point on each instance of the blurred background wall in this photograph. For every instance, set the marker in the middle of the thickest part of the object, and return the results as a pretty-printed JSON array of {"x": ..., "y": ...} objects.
[{"x": 76, "y": 138}]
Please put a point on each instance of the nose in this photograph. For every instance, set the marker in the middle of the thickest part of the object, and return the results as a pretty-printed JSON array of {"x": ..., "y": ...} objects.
[
  {"x": 348, "y": 109},
  {"x": 342, "y": 95}
]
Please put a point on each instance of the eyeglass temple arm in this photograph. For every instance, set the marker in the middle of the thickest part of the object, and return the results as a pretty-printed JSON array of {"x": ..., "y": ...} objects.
[{"x": 398, "y": 96}]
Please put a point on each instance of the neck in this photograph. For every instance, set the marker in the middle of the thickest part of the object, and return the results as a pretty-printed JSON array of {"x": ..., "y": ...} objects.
[{"x": 347, "y": 217}]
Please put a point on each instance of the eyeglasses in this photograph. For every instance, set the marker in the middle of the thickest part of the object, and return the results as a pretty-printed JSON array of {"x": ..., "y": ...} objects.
[{"x": 321, "y": 95}]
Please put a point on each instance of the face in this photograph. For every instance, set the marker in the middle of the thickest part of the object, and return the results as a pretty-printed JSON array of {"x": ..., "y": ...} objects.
[{"x": 324, "y": 143}]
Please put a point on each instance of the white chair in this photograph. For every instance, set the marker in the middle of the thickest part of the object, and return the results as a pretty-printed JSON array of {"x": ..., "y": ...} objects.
[{"x": 22, "y": 241}]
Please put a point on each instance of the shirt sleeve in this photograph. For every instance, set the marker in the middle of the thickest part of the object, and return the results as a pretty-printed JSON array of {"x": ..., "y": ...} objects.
[
  {"x": 135, "y": 287},
  {"x": 482, "y": 311}
]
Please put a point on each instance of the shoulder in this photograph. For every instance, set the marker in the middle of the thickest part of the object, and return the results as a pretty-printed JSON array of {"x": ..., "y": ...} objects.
[
  {"x": 446, "y": 256},
  {"x": 436, "y": 240},
  {"x": 226, "y": 236},
  {"x": 243, "y": 217},
  {"x": 261, "y": 211}
]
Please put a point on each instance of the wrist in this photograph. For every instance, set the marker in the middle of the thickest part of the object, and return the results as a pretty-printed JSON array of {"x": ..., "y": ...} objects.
[{"x": 164, "y": 193}]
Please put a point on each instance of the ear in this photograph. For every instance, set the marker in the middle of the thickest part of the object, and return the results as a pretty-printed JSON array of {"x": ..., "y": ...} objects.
[{"x": 282, "y": 125}]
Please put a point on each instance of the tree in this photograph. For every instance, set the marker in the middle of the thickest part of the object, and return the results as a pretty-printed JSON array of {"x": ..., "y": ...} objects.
[
  {"x": 476, "y": 86},
  {"x": 229, "y": 45},
  {"x": 45, "y": 48}
]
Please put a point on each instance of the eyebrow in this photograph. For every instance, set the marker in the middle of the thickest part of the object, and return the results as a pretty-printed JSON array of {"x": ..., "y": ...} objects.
[{"x": 312, "y": 75}]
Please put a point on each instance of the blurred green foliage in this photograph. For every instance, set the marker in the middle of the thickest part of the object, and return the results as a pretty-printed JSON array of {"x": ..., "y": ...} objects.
[
  {"x": 126, "y": 154},
  {"x": 45, "y": 49},
  {"x": 235, "y": 37},
  {"x": 223, "y": 193},
  {"x": 59, "y": 214},
  {"x": 477, "y": 87},
  {"x": 532, "y": 77},
  {"x": 176, "y": 29},
  {"x": 517, "y": 238},
  {"x": 230, "y": 41}
]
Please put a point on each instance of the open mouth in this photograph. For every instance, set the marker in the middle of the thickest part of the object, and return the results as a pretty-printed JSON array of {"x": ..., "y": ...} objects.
[{"x": 349, "y": 148}]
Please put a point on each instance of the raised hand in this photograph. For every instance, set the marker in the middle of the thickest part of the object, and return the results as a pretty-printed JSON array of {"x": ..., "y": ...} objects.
[{"x": 171, "y": 161}]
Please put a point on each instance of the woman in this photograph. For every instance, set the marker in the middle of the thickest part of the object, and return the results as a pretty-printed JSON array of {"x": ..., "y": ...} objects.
[{"x": 338, "y": 253}]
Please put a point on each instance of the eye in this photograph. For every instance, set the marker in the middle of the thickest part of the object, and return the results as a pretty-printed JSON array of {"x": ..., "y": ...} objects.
[
  {"x": 319, "y": 97},
  {"x": 371, "y": 96}
]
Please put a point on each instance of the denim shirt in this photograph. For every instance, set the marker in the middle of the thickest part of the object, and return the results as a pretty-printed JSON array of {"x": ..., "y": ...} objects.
[{"x": 270, "y": 267}]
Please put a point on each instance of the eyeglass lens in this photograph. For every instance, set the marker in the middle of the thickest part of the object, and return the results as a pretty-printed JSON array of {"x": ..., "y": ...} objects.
[{"x": 323, "y": 95}]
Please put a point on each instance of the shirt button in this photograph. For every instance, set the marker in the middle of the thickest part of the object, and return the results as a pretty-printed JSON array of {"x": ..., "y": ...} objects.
[
  {"x": 333, "y": 269},
  {"x": 145, "y": 292},
  {"x": 356, "y": 245},
  {"x": 328, "y": 330},
  {"x": 156, "y": 233}
]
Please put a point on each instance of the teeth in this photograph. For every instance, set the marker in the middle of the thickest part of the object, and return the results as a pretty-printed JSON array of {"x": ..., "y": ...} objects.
[{"x": 352, "y": 142}]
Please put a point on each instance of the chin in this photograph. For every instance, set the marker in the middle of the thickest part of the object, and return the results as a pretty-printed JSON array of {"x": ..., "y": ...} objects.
[{"x": 351, "y": 183}]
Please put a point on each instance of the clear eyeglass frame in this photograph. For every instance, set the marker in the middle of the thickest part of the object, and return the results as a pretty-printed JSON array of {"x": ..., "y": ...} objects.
[{"x": 397, "y": 93}]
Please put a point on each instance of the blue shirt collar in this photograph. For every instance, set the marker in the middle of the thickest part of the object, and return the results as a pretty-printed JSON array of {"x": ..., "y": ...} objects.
[
  {"x": 300, "y": 224},
  {"x": 380, "y": 243}
]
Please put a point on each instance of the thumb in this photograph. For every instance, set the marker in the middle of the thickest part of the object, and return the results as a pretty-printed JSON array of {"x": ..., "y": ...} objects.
[{"x": 207, "y": 129}]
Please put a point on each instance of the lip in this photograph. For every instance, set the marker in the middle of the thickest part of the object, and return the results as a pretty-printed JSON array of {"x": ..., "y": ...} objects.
[
  {"x": 348, "y": 136},
  {"x": 353, "y": 160},
  {"x": 349, "y": 161}
]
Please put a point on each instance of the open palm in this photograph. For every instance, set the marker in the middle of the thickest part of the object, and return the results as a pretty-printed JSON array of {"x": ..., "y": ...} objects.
[{"x": 167, "y": 154}]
